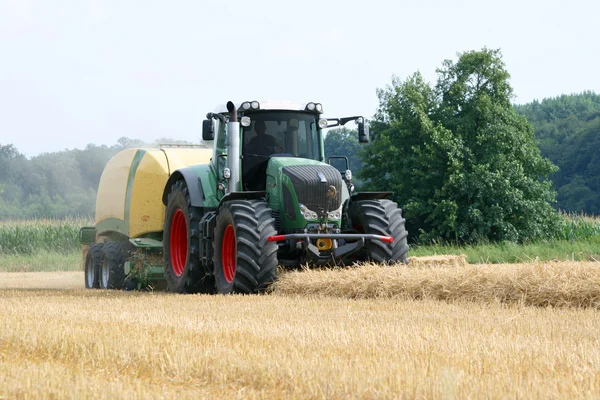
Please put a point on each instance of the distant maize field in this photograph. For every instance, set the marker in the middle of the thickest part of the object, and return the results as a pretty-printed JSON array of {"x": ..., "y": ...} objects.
[
  {"x": 578, "y": 226},
  {"x": 26, "y": 237},
  {"x": 46, "y": 235}
]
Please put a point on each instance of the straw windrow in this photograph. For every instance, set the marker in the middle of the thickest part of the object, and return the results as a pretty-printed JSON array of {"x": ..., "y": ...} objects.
[{"x": 537, "y": 284}]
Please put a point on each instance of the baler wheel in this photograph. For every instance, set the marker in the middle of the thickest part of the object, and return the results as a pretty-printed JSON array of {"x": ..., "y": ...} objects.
[
  {"x": 184, "y": 272},
  {"x": 93, "y": 261},
  {"x": 380, "y": 217},
  {"x": 244, "y": 260},
  {"x": 112, "y": 269}
]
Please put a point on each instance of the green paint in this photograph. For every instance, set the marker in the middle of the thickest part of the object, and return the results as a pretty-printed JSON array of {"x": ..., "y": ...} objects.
[
  {"x": 130, "y": 180},
  {"x": 208, "y": 180},
  {"x": 155, "y": 273},
  {"x": 147, "y": 243},
  {"x": 87, "y": 235}
]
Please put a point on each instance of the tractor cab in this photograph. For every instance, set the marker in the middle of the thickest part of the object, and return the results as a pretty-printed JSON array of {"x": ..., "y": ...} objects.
[
  {"x": 267, "y": 129},
  {"x": 271, "y": 134},
  {"x": 264, "y": 130}
]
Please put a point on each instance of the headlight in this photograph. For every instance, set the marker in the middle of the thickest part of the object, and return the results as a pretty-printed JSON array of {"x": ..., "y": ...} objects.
[
  {"x": 246, "y": 105},
  {"x": 226, "y": 173},
  {"x": 311, "y": 106},
  {"x": 255, "y": 105},
  {"x": 348, "y": 175},
  {"x": 319, "y": 107},
  {"x": 306, "y": 213},
  {"x": 334, "y": 215},
  {"x": 323, "y": 123},
  {"x": 245, "y": 121}
]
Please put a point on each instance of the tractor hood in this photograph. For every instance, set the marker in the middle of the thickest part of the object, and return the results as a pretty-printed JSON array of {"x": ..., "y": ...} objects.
[{"x": 304, "y": 192}]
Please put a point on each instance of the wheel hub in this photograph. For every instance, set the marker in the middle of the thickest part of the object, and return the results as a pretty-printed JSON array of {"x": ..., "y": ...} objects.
[
  {"x": 90, "y": 275},
  {"x": 228, "y": 255},
  {"x": 178, "y": 242},
  {"x": 105, "y": 274}
]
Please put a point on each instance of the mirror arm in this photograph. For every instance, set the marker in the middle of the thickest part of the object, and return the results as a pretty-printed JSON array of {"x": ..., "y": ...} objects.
[{"x": 220, "y": 117}]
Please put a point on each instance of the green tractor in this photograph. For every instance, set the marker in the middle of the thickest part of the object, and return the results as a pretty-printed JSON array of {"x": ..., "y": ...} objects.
[{"x": 225, "y": 218}]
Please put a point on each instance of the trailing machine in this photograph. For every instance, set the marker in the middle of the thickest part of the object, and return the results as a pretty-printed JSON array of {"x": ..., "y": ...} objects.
[{"x": 222, "y": 219}]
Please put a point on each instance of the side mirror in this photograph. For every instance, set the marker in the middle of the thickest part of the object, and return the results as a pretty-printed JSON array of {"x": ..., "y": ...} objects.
[
  {"x": 208, "y": 129},
  {"x": 363, "y": 131}
]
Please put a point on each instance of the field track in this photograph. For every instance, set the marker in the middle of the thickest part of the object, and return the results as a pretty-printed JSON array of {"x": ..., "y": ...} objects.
[{"x": 58, "y": 340}]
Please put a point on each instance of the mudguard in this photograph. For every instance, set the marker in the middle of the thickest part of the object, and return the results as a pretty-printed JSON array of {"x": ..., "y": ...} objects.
[
  {"x": 193, "y": 183},
  {"x": 370, "y": 196},
  {"x": 255, "y": 195}
]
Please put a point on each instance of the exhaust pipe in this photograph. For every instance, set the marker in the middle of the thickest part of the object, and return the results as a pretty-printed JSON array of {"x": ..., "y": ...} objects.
[{"x": 233, "y": 147}]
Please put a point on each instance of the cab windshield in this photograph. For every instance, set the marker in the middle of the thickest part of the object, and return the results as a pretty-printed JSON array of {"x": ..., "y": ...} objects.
[{"x": 281, "y": 133}]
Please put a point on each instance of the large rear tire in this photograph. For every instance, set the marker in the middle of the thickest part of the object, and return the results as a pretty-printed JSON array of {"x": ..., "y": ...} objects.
[
  {"x": 181, "y": 245},
  {"x": 380, "y": 217},
  {"x": 93, "y": 262},
  {"x": 244, "y": 260},
  {"x": 112, "y": 269}
]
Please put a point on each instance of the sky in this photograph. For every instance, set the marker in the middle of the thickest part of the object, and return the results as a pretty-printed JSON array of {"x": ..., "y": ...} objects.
[{"x": 74, "y": 72}]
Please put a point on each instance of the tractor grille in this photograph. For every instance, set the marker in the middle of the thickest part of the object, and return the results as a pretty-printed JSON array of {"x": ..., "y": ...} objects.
[{"x": 318, "y": 187}]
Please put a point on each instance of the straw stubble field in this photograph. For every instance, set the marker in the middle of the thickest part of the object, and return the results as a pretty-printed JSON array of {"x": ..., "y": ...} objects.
[{"x": 470, "y": 331}]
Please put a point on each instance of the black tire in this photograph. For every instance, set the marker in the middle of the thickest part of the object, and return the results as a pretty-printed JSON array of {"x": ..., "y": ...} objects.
[
  {"x": 380, "y": 217},
  {"x": 244, "y": 260},
  {"x": 93, "y": 261},
  {"x": 184, "y": 272},
  {"x": 112, "y": 269}
]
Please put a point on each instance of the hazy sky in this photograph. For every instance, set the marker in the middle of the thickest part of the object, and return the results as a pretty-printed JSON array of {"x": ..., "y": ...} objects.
[{"x": 74, "y": 72}]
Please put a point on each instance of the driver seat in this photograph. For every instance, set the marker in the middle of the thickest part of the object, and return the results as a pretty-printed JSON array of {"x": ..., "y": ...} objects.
[{"x": 254, "y": 167}]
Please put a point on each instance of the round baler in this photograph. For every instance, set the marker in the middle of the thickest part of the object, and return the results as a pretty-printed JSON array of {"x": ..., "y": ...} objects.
[{"x": 129, "y": 206}]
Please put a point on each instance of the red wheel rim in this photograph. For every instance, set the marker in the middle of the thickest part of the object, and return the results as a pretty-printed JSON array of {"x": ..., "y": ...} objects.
[
  {"x": 228, "y": 253},
  {"x": 178, "y": 242}
]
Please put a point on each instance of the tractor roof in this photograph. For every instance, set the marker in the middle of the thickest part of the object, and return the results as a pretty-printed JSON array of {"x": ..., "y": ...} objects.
[{"x": 267, "y": 105}]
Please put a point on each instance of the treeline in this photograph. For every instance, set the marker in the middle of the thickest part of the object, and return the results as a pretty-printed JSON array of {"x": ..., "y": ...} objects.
[
  {"x": 55, "y": 185},
  {"x": 60, "y": 184},
  {"x": 568, "y": 132}
]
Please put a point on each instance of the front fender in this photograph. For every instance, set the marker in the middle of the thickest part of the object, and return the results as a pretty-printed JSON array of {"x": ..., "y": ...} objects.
[{"x": 193, "y": 183}]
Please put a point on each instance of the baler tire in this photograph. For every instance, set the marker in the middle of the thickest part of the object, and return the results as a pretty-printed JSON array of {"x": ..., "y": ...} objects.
[
  {"x": 381, "y": 217},
  {"x": 241, "y": 237},
  {"x": 112, "y": 269},
  {"x": 93, "y": 262},
  {"x": 186, "y": 276}
]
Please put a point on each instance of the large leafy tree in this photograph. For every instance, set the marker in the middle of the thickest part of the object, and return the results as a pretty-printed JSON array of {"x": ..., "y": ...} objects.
[{"x": 461, "y": 161}]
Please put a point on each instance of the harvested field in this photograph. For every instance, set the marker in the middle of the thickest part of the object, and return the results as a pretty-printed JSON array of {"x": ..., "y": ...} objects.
[
  {"x": 41, "y": 280},
  {"x": 75, "y": 343}
]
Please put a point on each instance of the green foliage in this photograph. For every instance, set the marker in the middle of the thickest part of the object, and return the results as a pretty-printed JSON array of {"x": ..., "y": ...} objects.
[
  {"x": 344, "y": 142},
  {"x": 461, "y": 161},
  {"x": 568, "y": 131},
  {"x": 34, "y": 236},
  {"x": 578, "y": 227}
]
